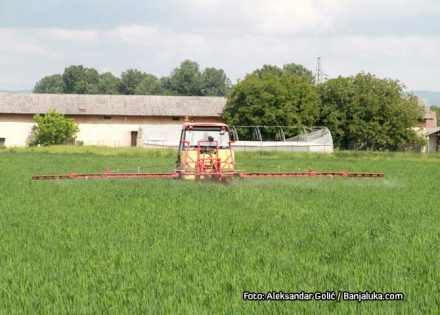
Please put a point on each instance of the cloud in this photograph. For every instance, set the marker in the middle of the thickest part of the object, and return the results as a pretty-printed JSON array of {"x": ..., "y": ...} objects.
[
  {"x": 293, "y": 17},
  {"x": 308, "y": 17},
  {"x": 79, "y": 36},
  {"x": 394, "y": 38},
  {"x": 259, "y": 16},
  {"x": 15, "y": 41},
  {"x": 27, "y": 54},
  {"x": 290, "y": 17}
]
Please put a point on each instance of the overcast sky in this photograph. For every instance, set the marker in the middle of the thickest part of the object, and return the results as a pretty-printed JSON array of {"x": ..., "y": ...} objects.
[{"x": 397, "y": 39}]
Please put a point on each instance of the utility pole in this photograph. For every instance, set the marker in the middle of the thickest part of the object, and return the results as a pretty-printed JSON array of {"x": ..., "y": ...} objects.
[{"x": 320, "y": 75}]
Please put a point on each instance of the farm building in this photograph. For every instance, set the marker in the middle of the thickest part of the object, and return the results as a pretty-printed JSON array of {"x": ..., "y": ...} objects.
[
  {"x": 428, "y": 127},
  {"x": 110, "y": 120}
]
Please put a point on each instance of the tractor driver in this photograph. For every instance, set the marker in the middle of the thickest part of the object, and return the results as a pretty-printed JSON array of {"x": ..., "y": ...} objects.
[{"x": 208, "y": 148}]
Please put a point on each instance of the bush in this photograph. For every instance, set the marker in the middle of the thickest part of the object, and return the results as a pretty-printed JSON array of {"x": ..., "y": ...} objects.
[
  {"x": 272, "y": 96},
  {"x": 364, "y": 112},
  {"x": 54, "y": 128}
]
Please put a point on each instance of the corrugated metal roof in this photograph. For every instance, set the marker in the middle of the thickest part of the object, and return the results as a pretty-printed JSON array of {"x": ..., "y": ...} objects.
[
  {"x": 117, "y": 105},
  {"x": 430, "y": 131}
]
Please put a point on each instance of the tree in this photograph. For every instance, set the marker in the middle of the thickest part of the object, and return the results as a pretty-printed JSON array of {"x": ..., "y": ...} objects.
[
  {"x": 108, "y": 84},
  {"x": 268, "y": 70},
  {"x": 150, "y": 85},
  {"x": 186, "y": 79},
  {"x": 436, "y": 109},
  {"x": 367, "y": 113},
  {"x": 214, "y": 82},
  {"x": 80, "y": 80},
  {"x": 271, "y": 97},
  {"x": 165, "y": 86},
  {"x": 130, "y": 80},
  {"x": 294, "y": 68},
  {"x": 53, "y": 128},
  {"x": 291, "y": 68},
  {"x": 51, "y": 84}
]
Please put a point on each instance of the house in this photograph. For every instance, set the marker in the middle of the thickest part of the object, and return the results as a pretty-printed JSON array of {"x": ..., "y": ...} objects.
[
  {"x": 428, "y": 127},
  {"x": 107, "y": 120}
]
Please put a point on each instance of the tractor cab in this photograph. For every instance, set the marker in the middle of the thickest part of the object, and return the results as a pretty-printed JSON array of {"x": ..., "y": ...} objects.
[{"x": 205, "y": 151}]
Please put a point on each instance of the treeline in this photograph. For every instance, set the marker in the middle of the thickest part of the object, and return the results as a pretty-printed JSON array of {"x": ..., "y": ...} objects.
[
  {"x": 187, "y": 79},
  {"x": 363, "y": 112}
]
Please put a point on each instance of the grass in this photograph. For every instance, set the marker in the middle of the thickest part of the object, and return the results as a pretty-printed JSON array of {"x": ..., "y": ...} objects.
[{"x": 165, "y": 246}]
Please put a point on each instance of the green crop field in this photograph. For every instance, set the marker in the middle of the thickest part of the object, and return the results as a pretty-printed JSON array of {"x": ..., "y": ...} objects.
[{"x": 165, "y": 246}]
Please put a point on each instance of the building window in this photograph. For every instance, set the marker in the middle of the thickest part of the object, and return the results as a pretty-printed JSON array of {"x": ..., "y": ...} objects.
[
  {"x": 176, "y": 118},
  {"x": 107, "y": 117}
]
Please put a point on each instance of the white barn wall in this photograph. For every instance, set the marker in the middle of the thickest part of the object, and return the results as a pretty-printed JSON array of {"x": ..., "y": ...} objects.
[
  {"x": 168, "y": 135},
  {"x": 95, "y": 130},
  {"x": 116, "y": 132},
  {"x": 16, "y": 129},
  {"x": 112, "y": 134}
]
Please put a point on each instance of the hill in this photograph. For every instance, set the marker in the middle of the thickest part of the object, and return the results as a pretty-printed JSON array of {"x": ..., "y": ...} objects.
[
  {"x": 16, "y": 91},
  {"x": 432, "y": 96}
]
